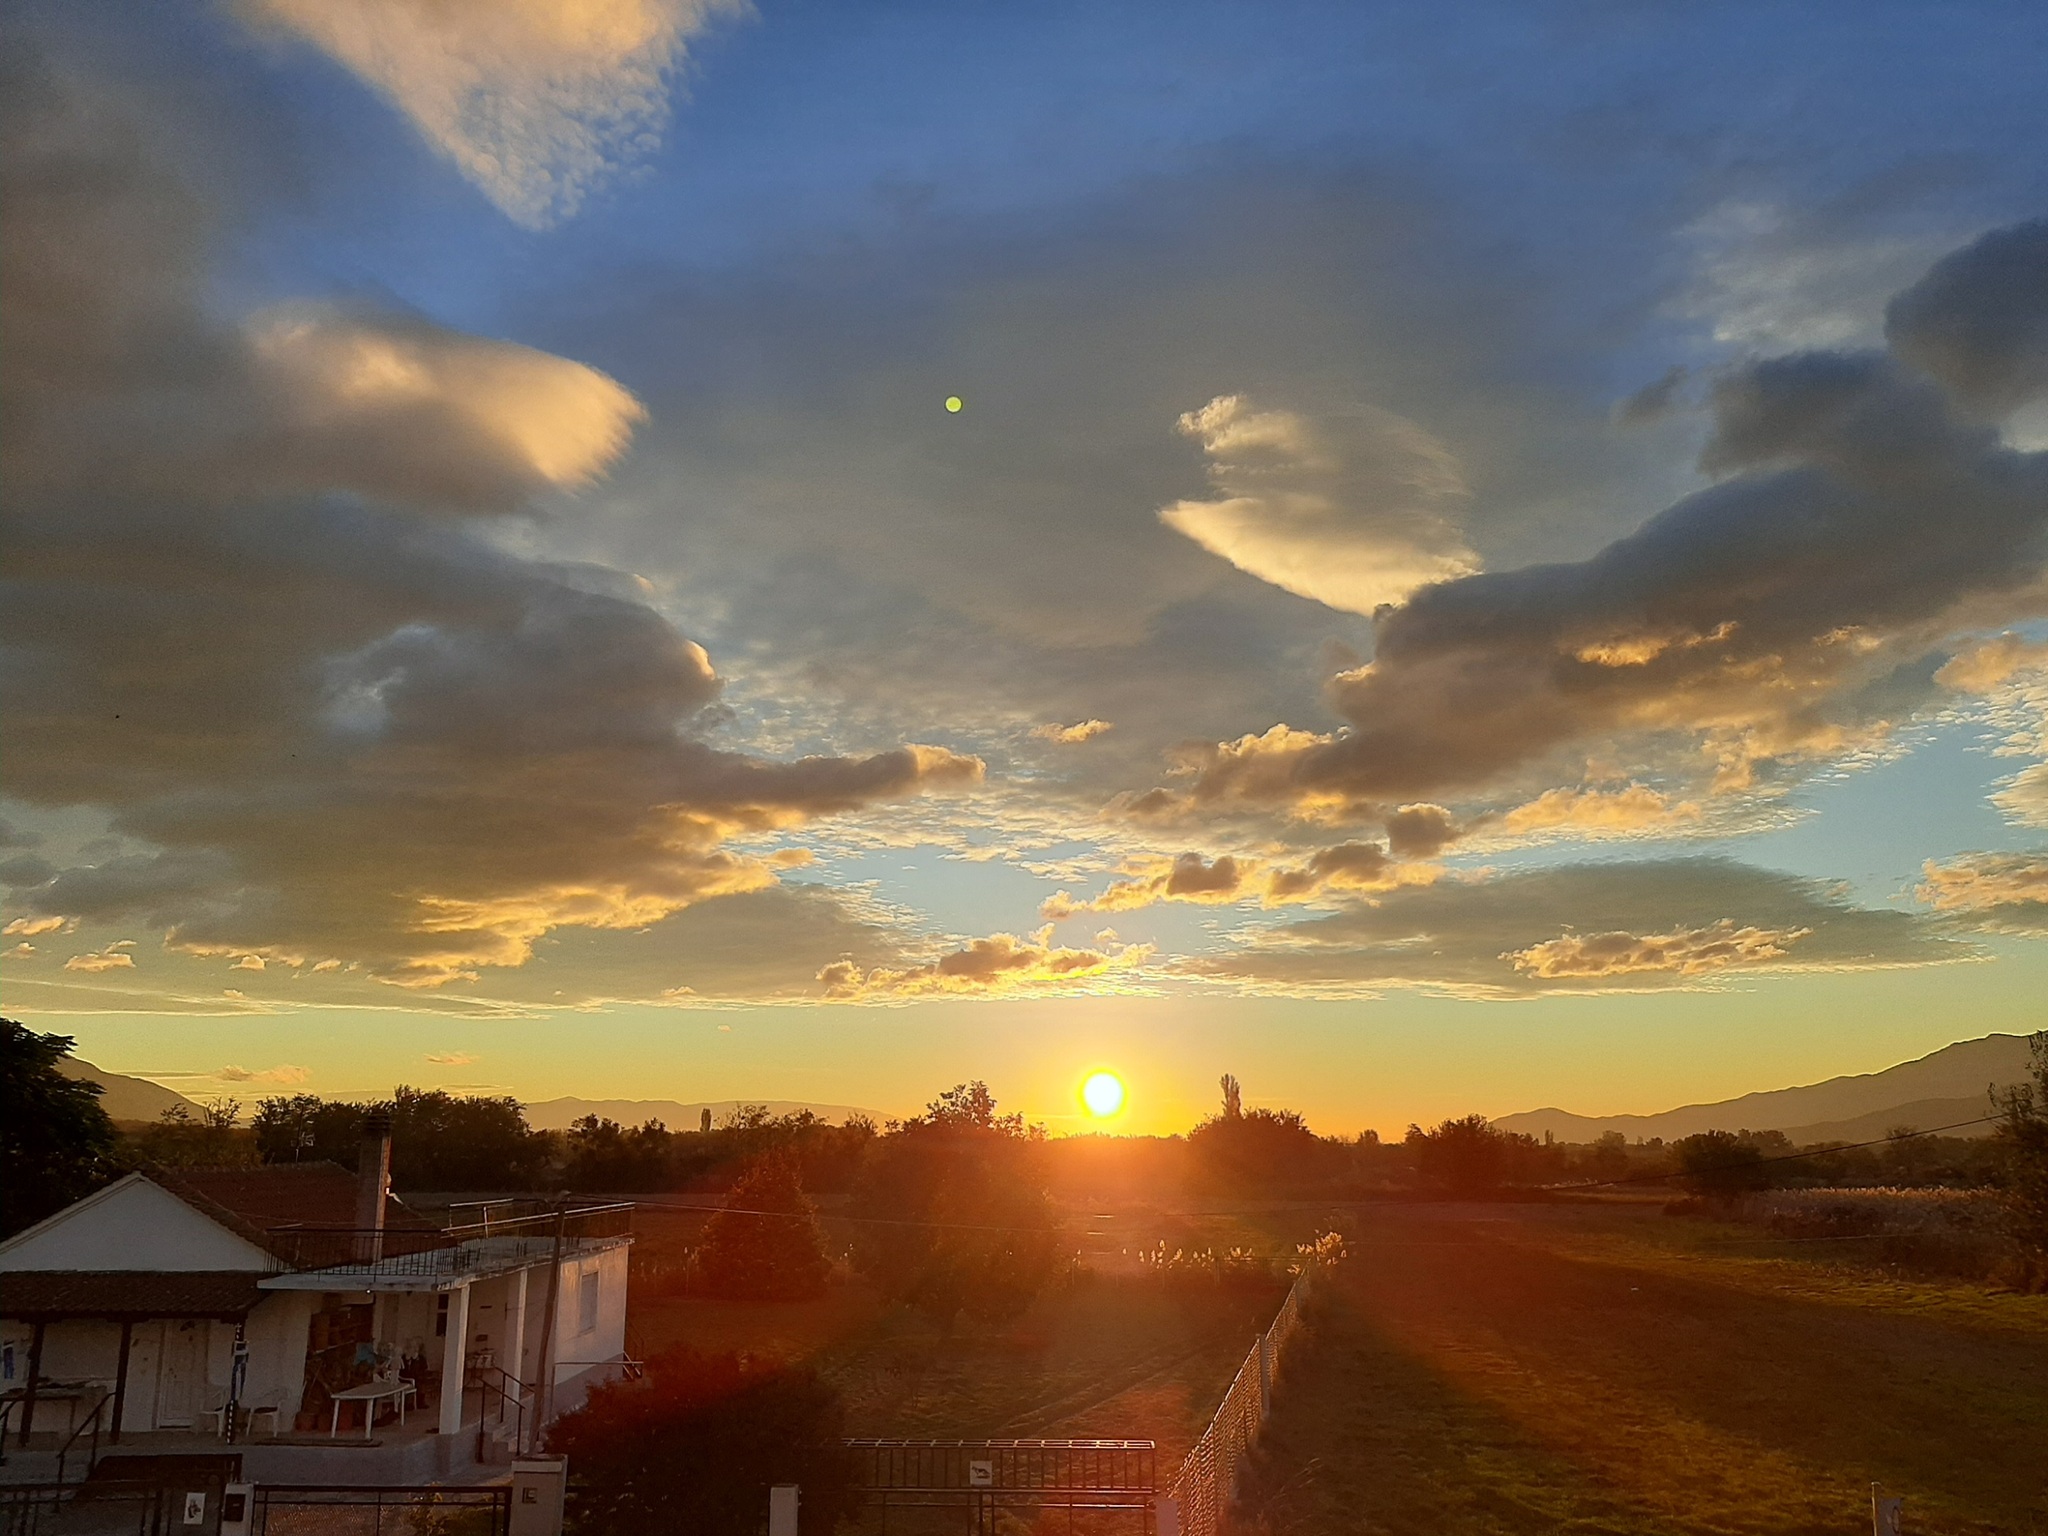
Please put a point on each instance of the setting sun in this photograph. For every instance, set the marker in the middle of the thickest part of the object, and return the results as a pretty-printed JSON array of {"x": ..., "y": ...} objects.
[{"x": 1103, "y": 1093}]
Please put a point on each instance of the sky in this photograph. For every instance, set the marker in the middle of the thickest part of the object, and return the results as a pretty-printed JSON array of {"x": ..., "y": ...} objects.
[{"x": 1434, "y": 559}]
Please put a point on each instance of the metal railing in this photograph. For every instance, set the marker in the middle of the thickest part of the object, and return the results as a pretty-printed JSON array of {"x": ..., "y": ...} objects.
[
  {"x": 1207, "y": 1480},
  {"x": 513, "y": 1395},
  {"x": 361, "y": 1511},
  {"x": 479, "y": 1247},
  {"x": 45, "y": 1509},
  {"x": 998, "y": 1483},
  {"x": 92, "y": 1422}
]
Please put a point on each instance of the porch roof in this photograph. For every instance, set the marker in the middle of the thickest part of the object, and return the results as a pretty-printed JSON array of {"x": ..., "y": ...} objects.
[
  {"x": 443, "y": 1268},
  {"x": 53, "y": 1295}
]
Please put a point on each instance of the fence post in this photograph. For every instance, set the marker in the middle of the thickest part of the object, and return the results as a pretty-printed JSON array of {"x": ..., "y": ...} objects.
[
  {"x": 782, "y": 1506},
  {"x": 1166, "y": 1516}
]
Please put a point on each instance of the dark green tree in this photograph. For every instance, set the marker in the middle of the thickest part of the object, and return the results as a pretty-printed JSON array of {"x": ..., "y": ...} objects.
[
  {"x": 2023, "y": 1132},
  {"x": 1720, "y": 1165},
  {"x": 778, "y": 1256},
  {"x": 954, "y": 1210},
  {"x": 698, "y": 1444},
  {"x": 56, "y": 1143}
]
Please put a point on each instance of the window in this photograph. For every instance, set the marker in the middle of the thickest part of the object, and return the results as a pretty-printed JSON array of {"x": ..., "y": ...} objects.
[
  {"x": 586, "y": 1301},
  {"x": 441, "y": 1316}
]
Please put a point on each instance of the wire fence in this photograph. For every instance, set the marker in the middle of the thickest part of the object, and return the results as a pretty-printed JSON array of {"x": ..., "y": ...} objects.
[{"x": 1207, "y": 1481}]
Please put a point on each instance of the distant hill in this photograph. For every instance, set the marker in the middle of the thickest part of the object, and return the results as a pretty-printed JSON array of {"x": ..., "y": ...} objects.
[
  {"x": 558, "y": 1114},
  {"x": 1938, "y": 1089},
  {"x": 125, "y": 1098}
]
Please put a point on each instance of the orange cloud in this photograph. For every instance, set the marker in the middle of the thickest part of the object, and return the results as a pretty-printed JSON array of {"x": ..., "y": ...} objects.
[
  {"x": 1684, "y": 952},
  {"x": 1073, "y": 735},
  {"x": 1000, "y": 965}
]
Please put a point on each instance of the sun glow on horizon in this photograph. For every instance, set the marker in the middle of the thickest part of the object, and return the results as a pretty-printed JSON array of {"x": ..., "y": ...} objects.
[{"x": 1103, "y": 1093}]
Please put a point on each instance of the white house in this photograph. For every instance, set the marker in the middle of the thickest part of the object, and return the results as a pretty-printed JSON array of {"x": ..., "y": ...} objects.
[{"x": 336, "y": 1300}]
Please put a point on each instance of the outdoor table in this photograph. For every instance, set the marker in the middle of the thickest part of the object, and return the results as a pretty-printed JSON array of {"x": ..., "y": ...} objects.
[{"x": 369, "y": 1394}]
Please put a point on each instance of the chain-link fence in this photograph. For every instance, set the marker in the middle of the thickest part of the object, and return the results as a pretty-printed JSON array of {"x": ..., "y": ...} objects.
[{"x": 1207, "y": 1480}]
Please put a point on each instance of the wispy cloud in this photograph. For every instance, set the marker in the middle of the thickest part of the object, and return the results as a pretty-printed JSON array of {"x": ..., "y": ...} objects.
[
  {"x": 451, "y": 1058},
  {"x": 538, "y": 102},
  {"x": 283, "y": 1076}
]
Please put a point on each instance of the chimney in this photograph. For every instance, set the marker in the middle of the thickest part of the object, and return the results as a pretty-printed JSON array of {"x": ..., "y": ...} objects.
[{"x": 373, "y": 1181}]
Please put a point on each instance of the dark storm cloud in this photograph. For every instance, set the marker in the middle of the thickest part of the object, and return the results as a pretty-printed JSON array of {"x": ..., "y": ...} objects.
[
  {"x": 1979, "y": 320},
  {"x": 246, "y": 618}
]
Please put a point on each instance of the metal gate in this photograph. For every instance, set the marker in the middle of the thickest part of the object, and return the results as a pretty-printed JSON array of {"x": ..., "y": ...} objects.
[
  {"x": 982, "y": 1479},
  {"x": 306, "y": 1510}
]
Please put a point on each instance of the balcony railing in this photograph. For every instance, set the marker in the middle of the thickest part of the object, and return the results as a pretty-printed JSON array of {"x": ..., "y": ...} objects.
[{"x": 493, "y": 1245}]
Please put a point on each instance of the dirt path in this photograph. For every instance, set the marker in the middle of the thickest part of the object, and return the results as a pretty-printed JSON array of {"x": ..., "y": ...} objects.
[{"x": 1528, "y": 1374}]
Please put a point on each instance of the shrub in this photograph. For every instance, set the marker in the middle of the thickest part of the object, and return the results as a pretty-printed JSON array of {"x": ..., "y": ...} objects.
[{"x": 697, "y": 1445}]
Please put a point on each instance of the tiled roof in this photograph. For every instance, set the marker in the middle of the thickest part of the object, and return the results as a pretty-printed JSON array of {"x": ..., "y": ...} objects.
[{"x": 29, "y": 1294}]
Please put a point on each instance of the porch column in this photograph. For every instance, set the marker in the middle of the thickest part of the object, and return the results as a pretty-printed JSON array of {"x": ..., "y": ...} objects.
[
  {"x": 454, "y": 1358},
  {"x": 35, "y": 1372},
  {"x": 515, "y": 1327},
  {"x": 121, "y": 1379}
]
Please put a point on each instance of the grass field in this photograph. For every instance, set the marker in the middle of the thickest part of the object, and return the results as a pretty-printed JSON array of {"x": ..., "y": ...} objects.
[
  {"x": 1499, "y": 1369},
  {"x": 1490, "y": 1369}
]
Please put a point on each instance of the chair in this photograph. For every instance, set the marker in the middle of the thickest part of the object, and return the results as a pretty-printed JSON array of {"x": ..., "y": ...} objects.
[
  {"x": 216, "y": 1409},
  {"x": 272, "y": 1405}
]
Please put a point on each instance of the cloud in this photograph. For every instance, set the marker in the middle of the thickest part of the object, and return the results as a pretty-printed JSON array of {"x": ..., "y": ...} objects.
[
  {"x": 538, "y": 102},
  {"x": 2003, "y": 892},
  {"x": 451, "y": 1058},
  {"x": 283, "y": 1076},
  {"x": 36, "y": 925},
  {"x": 1345, "y": 867},
  {"x": 1073, "y": 735},
  {"x": 1791, "y": 613},
  {"x": 1978, "y": 321},
  {"x": 1689, "y": 952},
  {"x": 1634, "y": 808},
  {"x": 2011, "y": 673},
  {"x": 103, "y": 960},
  {"x": 1001, "y": 965},
  {"x": 21, "y": 951},
  {"x": 1623, "y": 926},
  {"x": 383, "y": 737},
  {"x": 1354, "y": 511}
]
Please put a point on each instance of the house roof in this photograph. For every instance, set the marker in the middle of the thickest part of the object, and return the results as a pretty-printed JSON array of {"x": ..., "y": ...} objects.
[
  {"x": 320, "y": 1194},
  {"x": 29, "y": 1295}
]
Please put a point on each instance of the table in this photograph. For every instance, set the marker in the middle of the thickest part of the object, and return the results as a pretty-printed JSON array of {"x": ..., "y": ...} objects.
[{"x": 369, "y": 1394}]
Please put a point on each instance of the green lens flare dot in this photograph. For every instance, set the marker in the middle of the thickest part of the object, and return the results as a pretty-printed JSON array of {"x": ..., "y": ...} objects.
[{"x": 954, "y": 402}]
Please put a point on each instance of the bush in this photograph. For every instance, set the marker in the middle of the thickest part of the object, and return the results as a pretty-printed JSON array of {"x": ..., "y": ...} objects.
[
  {"x": 697, "y": 1445},
  {"x": 777, "y": 1257}
]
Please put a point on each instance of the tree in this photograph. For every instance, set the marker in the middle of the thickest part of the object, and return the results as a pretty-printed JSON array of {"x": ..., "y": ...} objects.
[
  {"x": 1233, "y": 1097},
  {"x": 305, "y": 1128},
  {"x": 1465, "y": 1157},
  {"x": 210, "y": 1139},
  {"x": 439, "y": 1141},
  {"x": 955, "y": 1213},
  {"x": 2023, "y": 1131},
  {"x": 698, "y": 1444},
  {"x": 774, "y": 1257},
  {"x": 600, "y": 1154},
  {"x": 1720, "y": 1165},
  {"x": 56, "y": 1143}
]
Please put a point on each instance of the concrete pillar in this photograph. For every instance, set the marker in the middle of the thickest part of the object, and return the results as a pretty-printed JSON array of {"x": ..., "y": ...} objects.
[
  {"x": 1166, "y": 1516},
  {"x": 513, "y": 1356},
  {"x": 454, "y": 1357},
  {"x": 538, "y": 1483},
  {"x": 782, "y": 1504}
]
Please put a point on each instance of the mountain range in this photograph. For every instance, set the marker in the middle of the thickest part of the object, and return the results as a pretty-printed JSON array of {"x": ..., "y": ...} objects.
[
  {"x": 1943, "y": 1088},
  {"x": 126, "y": 1098}
]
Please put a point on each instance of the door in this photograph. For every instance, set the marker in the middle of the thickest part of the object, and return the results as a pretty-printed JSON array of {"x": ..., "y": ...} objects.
[{"x": 180, "y": 1375}]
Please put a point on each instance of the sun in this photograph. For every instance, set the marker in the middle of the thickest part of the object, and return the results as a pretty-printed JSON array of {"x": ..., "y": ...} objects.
[{"x": 1103, "y": 1093}]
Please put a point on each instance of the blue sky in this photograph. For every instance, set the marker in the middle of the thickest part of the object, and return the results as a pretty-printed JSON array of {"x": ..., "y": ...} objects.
[{"x": 494, "y": 469}]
